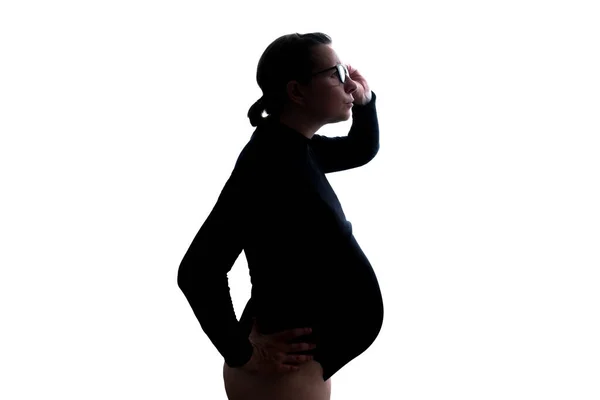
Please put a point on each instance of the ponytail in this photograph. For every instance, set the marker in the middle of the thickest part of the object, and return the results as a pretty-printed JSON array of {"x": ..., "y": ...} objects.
[
  {"x": 272, "y": 104},
  {"x": 255, "y": 112}
]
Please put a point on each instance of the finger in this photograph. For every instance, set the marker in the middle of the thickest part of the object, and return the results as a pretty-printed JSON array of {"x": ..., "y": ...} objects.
[
  {"x": 302, "y": 346},
  {"x": 288, "y": 368},
  {"x": 293, "y": 333},
  {"x": 353, "y": 72},
  {"x": 297, "y": 360}
]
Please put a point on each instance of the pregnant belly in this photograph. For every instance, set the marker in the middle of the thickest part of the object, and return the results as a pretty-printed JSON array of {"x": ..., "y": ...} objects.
[
  {"x": 344, "y": 307},
  {"x": 346, "y": 327},
  {"x": 342, "y": 287},
  {"x": 341, "y": 301}
]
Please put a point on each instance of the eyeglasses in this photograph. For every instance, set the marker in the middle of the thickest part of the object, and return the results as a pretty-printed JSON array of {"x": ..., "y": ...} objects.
[{"x": 341, "y": 69}]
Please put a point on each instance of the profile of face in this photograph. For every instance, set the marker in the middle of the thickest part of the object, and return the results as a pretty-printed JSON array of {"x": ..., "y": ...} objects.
[{"x": 325, "y": 99}]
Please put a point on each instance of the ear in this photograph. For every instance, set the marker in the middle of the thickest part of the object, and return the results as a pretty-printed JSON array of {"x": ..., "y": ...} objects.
[{"x": 296, "y": 92}]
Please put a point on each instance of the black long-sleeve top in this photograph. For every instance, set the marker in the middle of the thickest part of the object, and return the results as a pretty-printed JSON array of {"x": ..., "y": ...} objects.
[{"x": 279, "y": 208}]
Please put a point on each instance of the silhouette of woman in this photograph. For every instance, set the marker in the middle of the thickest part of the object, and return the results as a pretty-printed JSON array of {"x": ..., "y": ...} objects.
[{"x": 307, "y": 270}]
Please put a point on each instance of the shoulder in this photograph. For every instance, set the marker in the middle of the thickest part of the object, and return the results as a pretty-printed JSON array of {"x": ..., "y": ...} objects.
[{"x": 261, "y": 157}]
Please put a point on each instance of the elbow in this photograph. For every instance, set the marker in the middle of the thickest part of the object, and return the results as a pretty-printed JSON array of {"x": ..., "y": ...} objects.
[
  {"x": 190, "y": 277},
  {"x": 375, "y": 151},
  {"x": 186, "y": 271},
  {"x": 370, "y": 155},
  {"x": 182, "y": 276}
]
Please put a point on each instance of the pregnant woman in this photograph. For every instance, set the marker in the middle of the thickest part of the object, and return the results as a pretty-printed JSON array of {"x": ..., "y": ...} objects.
[{"x": 315, "y": 303}]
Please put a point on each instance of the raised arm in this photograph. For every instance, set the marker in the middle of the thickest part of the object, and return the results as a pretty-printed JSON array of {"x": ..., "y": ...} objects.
[
  {"x": 357, "y": 149},
  {"x": 202, "y": 274}
]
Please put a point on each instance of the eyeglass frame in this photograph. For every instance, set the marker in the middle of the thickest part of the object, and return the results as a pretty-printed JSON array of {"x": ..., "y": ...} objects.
[{"x": 341, "y": 77}]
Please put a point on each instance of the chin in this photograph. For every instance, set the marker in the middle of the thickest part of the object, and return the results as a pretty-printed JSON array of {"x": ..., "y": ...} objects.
[
  {"x": 341, "y": 117},
  {"x": 346, "y": 116}
]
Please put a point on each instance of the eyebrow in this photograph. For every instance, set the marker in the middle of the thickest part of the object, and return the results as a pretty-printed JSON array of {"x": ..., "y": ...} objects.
[
  {"x": 327, "y": 69},
  {"x": 336, "y": 63}
]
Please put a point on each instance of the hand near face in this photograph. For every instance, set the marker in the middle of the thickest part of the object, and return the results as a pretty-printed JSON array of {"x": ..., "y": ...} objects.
[{"x": 362, "y": 95}]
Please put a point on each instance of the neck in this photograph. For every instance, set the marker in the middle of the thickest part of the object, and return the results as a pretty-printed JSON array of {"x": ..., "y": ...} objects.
[{"x": 304, "y": 125}]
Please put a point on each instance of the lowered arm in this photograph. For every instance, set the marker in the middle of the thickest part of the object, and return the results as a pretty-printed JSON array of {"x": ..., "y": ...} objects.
[{"x": 202, "y": 274}]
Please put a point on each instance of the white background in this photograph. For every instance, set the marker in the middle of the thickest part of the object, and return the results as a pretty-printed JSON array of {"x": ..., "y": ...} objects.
[{"x": 122, "y": 120}]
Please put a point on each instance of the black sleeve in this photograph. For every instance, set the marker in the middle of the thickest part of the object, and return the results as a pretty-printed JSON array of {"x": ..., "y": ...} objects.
[
  {"x": 202, "y": 274},
  {"x": 354, "y": 150}
]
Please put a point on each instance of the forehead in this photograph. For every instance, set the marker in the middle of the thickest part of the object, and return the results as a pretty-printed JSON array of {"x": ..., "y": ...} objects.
[{"x": 325, "y": 56}]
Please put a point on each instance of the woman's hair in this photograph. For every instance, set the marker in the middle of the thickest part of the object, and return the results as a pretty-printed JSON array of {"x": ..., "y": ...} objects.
[{"x": 289, "y": 57}]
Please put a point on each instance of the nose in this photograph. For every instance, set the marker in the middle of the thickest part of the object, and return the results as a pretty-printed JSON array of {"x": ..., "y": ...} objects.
[{"x": 350, "y": 85}]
